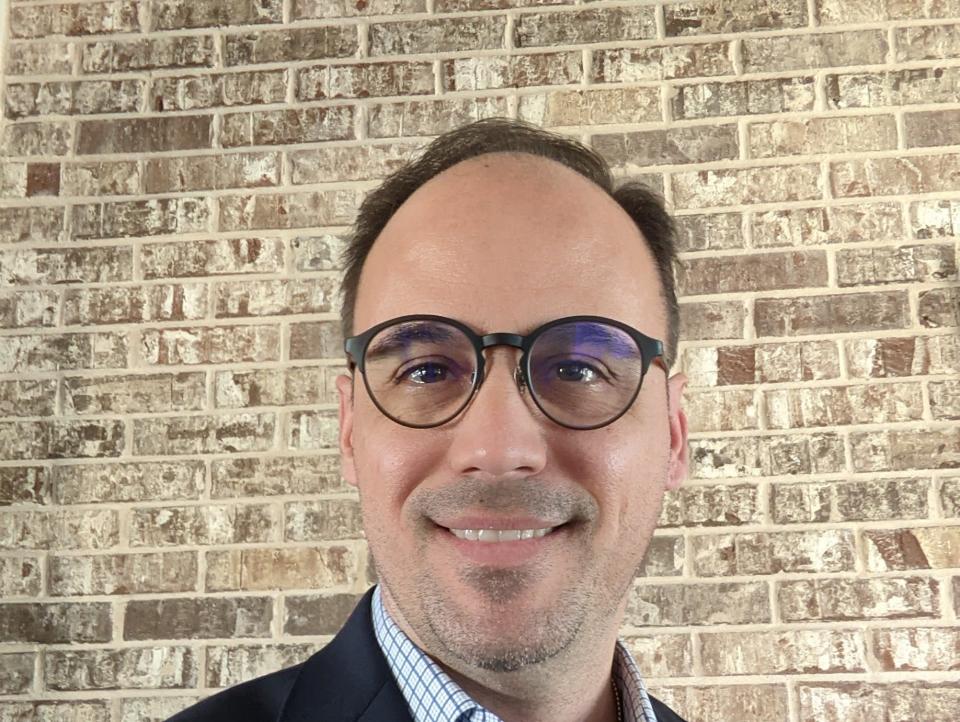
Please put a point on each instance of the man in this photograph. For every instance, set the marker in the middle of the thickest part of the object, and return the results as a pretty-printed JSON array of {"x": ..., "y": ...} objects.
[{"x": 511, "y": 426}]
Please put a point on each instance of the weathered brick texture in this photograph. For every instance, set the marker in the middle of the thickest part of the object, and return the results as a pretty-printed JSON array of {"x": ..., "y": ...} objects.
[{"x": 177, "y": 184}]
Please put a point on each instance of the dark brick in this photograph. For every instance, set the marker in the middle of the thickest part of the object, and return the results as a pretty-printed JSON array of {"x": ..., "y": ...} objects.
[
  {"x": 144, "y": 135},
  {"x": 198, "y": 618}
]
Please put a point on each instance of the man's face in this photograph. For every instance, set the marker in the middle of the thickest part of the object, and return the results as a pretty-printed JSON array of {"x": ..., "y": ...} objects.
[{"x": 506, "y": 243}]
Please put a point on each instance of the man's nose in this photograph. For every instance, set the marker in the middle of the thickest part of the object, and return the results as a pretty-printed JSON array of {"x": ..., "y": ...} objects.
[{"x": 501, "y": 432}]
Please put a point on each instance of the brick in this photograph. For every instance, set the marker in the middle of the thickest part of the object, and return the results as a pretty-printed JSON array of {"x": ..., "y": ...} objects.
[
  {"x": 842, "y": 405},
  {"x": 25, "y": 224},
  {"x": 512, "y": 71},
  {"x": 28, "y": 398},
  {"x": 101, "y": 179},
  {"x": 180, "y": 14},
  {"x": 931, "y": 128},
  {"x": 696, "y": 144},
  {"x": 274, "y": 387},
  {"x": 29, "y": 139},
  {"x": 43, "y": 179},
  {"x": 806, "y": 651},
  {"x": 218, "y": 90},
  {"x": 59, "y": 529},
  {"x": 663, "y": 558},
  {"x": 128, "y": 482},
  {"x": 143, "y": 709},
  {"x": 807, "y": 502},
  {"x": 277, "y": 127},
  {"x": 315, "y": 430},
  {"x": 935, "y": 218},
  {"x": 55, "y": 623},
  {"x": 777, "y": 95},
  {"x": 591, "y": 107},
  {"x": 925, "y": 648},
  {"x": 55, "y": 711},
  {"x": 37, "y": 21},
  {"x": 926, "y": 42},
  {"x": 230, "y": 170},
  {"x": 752, "y": 702},
  {"x": 827, "y": 50},
  {"x": 431, "y": 117},
  {"x": 855, "y": 599},
  {"x": 630, "y": 65},
  {"x": 227, "y": 666},
  {"x": 317, "y": 614},
  {"x": 144, "y": 135},
  {"x": 314, "y": 474},
  {"x": 880, "y": 499},
  {"x": 712, "y": 320},
  {"x": 121, "y": 219},
  {"x": 210, "y": 345},
  {"x": 894, "y": 87},
  {"x": 945, "y": 399},
  {"x": 822, "y": 136},
  {"x": 721, "y": 410},
  {"x": 61, "y": 439},
  {"x": 819, "y": 226},
  {"x": 893, "y": 357},
  {"x": 25, "y": 309},
  {"x": 52, "y": 352},
  {"x": 56, "y": 266},
  {"x": 764, "y": 363},
  {"x": 895, "y": 176},
  {"x": 916, "y": 548},
  {"x": 834, "y": 313},
  {"x": 46, "y": 58},
  {"x": 307, "y": 209},
  {"x": 318, "y": 253},
  {"x": 123, "y": 573},
  {"x": 867, "y": 266},
  {"x": 24, "y": 485},
  {"x": 131, "y": 304},
  {"x": 438, "y": 36},
  {"x": 341, "y": 163},
  {"x": 134, "y": 394},
  {"x": 908, "y": 449},
  {"x": 721, "y": 505},
  {"x": 663, "y": 655},
  {"x": 73, "y": 97},
  {"x": 19, "y": 577},
  {"x": 196, "y": 525},
  {"x": 772, "y": 553},
  {"x": 366, "y": 80},
  {"x": 13, "y": 179},
  {"x": 719, "y": 458},
  {"x": 939, "y": 307},
  {"x": 280, "y": 46},
  {"x": 235, "y": 299},
  {"x": 733, "y": 16},
  {"x": 203, "y": 434},
  {"x": 208, "y": 258},
  {"x": 755, "y": 272},
  {"x": 584, "y": 26},
  {"x": 16, "y": 673},
  {"x": 308, "y": 9},
  {"x": 154, "y": 53},
  {"x": 288, "y": 568},
  {"x": 133, "y": 668},
  {"x": 667, "y": 605},
  {"x": 198, "y": 618},
  {"x": 327, "y": 520},
  {"x": 709, "y": 232},
  {"x": 862, "y": 702},
  {"x": 768, "y": 184}
]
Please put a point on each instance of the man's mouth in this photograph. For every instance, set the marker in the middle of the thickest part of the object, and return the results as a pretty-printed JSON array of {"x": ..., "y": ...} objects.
[{"x": 489, "y": 536}]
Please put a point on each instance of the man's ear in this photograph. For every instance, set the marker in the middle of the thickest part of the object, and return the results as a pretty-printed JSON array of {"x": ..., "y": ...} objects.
[
  {"x": 347, "y": 464},
  {"x": 679, "y": 450}
]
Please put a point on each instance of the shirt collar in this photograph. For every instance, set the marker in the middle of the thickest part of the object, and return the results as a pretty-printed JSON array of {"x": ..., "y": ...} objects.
[{"x": 434, "y": 697}]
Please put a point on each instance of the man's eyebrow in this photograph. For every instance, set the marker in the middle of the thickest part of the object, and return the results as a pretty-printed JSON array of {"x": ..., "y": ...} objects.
[
  {"x": 400, "y": 337},
  {"x": 615, "y": 340}
]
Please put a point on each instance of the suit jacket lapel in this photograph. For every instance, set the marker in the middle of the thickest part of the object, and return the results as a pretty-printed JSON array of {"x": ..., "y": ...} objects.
[{"x": 348, "y": 680}]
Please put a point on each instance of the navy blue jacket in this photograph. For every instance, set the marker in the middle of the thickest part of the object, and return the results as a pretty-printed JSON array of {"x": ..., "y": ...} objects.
[{"x": 346, "y": 681}]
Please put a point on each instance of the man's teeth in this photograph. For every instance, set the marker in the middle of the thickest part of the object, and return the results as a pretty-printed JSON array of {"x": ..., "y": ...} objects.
[{"x": 500, "y": 535}]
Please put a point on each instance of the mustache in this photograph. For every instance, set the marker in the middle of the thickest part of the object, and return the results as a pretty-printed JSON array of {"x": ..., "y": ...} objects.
[{"x": 533, "y": 497}]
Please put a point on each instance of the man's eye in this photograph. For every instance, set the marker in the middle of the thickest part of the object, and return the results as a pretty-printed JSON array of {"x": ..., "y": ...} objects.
[
  {"x": 577, "y": 371},
  {"x": 425, "y": 373}
]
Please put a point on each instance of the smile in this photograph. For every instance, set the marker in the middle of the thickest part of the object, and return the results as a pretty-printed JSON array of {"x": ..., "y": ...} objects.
[{"x": 500, "y": 535}]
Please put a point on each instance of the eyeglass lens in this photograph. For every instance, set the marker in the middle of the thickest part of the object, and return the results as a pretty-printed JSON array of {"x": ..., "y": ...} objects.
[{"x": 581, "y": 373}]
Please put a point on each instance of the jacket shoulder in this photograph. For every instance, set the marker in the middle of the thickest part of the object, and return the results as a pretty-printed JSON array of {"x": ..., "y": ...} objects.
[
  {"x": 664, "y": 713},
  {"x": 258, "y": 700}
]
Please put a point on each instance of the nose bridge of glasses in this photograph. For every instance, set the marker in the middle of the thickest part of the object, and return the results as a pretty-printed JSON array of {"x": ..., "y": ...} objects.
[{"x": 512, "y": 340}]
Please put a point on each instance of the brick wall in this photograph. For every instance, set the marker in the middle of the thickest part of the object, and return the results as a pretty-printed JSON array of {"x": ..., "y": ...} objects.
[{"x": 175, "y": 182}]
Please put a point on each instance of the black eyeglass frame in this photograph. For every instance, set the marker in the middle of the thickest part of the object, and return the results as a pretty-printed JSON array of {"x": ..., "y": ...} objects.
[{"x": 650, "y": 349}]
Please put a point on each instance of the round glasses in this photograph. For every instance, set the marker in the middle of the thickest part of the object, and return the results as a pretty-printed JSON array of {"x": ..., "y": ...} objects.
[{"x": 583, "y": 372}]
